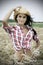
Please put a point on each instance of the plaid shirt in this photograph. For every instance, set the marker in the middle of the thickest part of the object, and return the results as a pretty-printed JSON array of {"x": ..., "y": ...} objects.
[{"x": 18, "y": 38}]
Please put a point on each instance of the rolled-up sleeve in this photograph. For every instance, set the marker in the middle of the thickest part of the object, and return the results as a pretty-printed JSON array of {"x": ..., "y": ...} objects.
[{"x": 7, "y": 29}]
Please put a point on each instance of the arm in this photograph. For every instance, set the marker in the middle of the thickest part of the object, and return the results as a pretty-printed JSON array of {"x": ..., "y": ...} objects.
[
  {"x": 5, "y": 23},
  {"x": 37, "y": 43},
  {"x": 7, "y": 15},
  {"x": 6, "y": 18},
  {"x": 35, "y": 38}
]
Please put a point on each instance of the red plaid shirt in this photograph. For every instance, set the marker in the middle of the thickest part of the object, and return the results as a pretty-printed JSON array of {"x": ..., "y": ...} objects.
[{"x": 18, "y": 38}]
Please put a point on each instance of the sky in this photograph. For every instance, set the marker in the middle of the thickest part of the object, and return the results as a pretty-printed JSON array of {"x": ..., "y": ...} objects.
[{"x": 35, "y": 7}]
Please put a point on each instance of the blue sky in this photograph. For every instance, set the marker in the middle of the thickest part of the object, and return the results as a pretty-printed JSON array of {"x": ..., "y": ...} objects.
[{"x": 35, "y": 7}]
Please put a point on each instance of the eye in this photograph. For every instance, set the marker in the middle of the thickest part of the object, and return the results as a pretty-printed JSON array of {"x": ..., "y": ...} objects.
[
  {"x": 20, "y": 16},
  {"x": 24, "y": 17}
]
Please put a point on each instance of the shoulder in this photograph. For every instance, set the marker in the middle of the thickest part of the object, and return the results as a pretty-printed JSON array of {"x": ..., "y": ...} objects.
[
  {"x": 16, "y": 27},
  {"x": 28, "y": 27}
]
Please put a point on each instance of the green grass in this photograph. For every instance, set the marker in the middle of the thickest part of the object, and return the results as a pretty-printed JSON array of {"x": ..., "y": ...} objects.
[
  {"x": 38, "y": 25},
  {"x": 35, "y": 24},
  {"x": 0, "y": 24}
]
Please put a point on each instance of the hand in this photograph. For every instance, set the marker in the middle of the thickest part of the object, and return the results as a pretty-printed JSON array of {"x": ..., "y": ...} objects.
[{"x": 36, "y": 52}]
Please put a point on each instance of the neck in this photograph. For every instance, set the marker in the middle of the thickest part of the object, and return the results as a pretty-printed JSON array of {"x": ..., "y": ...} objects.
[{"x": 22, "y": 26}]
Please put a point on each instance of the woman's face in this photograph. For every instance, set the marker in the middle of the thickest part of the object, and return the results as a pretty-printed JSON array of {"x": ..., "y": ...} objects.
[{"x": 21, "y": 19}]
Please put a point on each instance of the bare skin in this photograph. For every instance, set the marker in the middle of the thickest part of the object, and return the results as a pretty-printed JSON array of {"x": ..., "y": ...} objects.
[{"x": 5, "y": 23}]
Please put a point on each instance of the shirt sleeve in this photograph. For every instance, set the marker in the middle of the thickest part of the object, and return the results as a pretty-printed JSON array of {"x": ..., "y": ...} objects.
[
  {"x": 35, "y": 36},
  {"x": 7, "y": 28}
]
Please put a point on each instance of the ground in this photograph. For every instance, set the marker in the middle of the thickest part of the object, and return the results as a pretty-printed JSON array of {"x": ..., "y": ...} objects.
[{"x": 7, "y": 51}]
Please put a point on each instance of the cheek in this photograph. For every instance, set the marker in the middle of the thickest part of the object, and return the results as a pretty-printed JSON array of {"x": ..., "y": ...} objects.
[
  {"x": 25, "y": 20},
  {"x": 18, "y": 19}
]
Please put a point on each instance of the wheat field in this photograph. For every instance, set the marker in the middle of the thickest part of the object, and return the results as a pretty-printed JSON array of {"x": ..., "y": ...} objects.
[{"x": 7, "y": 51}]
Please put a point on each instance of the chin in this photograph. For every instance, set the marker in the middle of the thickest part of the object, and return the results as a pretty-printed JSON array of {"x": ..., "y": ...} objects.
[{"x": 21, "y": 24}]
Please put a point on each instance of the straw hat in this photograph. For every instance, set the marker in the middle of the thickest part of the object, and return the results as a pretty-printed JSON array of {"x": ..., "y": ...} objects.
[{"x": 20, "y": 10}]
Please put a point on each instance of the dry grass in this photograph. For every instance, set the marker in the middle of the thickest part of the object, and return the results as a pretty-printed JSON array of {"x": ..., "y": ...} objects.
[{"x": 7, "y": 51}]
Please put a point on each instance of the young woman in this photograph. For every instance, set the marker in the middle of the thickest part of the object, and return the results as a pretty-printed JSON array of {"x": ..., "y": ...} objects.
[{"x": 22, "y": 33}]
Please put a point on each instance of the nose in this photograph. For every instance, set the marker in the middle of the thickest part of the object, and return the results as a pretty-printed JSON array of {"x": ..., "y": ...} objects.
[{"x": 21, "y": 19}]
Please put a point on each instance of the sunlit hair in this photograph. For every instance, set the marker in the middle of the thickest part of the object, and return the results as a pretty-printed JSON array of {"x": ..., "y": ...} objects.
[{"x": 28, "y": 21}]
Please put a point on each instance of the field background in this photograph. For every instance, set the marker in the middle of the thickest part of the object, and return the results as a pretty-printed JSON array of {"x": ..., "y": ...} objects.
[{"x": 7, "y": 50}]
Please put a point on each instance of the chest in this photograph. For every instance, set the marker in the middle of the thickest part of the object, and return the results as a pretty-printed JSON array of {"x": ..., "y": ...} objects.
[
  {"x": 25, "y": 31},
  {"x": 21, "y": 34}
]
